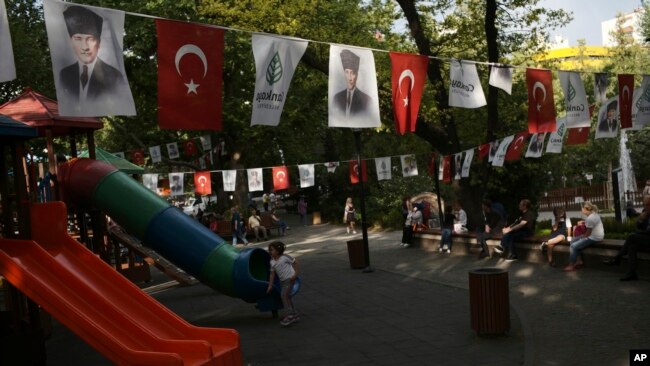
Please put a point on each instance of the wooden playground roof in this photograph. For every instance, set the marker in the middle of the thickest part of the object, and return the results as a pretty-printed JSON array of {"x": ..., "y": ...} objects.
[
  {"x": 13, "y": 128},
  {"x": 37, "y": 110}
]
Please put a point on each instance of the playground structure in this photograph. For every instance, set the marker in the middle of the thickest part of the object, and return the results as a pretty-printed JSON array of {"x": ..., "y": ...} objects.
[{"x": 47, "y": 271}]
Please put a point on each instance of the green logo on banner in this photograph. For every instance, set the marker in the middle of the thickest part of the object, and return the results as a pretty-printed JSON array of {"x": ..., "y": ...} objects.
[
  {"x": 560, "y": 131},
  {"x": 571, "y": 91},
  {"x": 274, "y": 70}
]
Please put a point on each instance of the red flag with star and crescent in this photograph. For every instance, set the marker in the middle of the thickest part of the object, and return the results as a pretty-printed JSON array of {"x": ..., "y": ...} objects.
[
  {"x": 625, "y": 91},
  {"x": 202, "y": 183},
  {"x": 409, "y": 73},
  {"x": 578, "y": 136},
  {"x": 190, "y": 148},
  {"x": 517, "y": 145},
  {"x": 483, "y": 150},
  {"x": 446, "y": 169},
  {"x": 190, "y": 62},
  {"x": 541, "y": 106},
  {"x": 280, "y": 178},
  {"x": 137, "y": 157},
  {"x": 354, "y": 171}
]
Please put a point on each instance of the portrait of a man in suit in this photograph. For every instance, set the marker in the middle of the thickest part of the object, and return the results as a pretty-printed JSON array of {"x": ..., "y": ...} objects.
[
  {"x": 609, "y": 121},
  {"x": 351, "y": 101},
  {"x": 90, "y": 78}
]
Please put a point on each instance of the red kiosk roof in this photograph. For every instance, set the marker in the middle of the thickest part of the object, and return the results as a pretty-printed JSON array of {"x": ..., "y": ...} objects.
[{"x": 37, "y": 110}]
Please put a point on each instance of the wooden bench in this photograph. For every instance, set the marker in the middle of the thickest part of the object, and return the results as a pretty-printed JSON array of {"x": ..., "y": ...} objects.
[
  {"x": 527, "y": 248},
  {"x": 268, "y": 223}
]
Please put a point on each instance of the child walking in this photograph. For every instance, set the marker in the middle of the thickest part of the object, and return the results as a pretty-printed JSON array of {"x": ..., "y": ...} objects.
[{"x": 286, "y": 268}]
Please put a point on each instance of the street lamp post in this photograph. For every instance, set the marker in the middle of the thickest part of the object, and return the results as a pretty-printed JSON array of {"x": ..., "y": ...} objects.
[{"x": 362, "y": 197}]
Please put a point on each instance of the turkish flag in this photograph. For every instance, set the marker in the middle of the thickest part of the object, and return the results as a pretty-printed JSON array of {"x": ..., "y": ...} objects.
[
  {"x": 202, "y": 183},
  {"x": 483, "y": 150},
  {"x": 446, "y": 169},
  {"x": 354, "y": 171},
  {"x": 190, "y": 63},
  {"x": 432, "y": 164},
  {"x": 190, "y": 148},
  {"x": 514, "y": 149},
  {"x": 625, "y": 90},
  {"x": 541, "y": 106},
  {"x": 137, "y": 157},
  {"x": 280, "y": 178},
  {"x": 409, "y": 73},
  {"x": 578, "y": 136}
]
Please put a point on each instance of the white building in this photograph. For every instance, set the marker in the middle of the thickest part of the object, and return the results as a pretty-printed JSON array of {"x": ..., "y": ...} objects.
[{"x": 631, "y": 25}]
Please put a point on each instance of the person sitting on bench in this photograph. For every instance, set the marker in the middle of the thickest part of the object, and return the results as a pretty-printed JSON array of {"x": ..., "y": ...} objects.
[{"x": 522, "y": 227}]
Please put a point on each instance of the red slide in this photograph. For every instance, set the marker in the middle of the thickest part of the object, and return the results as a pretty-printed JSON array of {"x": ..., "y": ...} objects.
[{"x": 101, "y": 306}]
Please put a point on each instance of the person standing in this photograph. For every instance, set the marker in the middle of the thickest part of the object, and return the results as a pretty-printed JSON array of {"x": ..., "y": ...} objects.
[
  {"x": 633, "y": 242},
  {"x": 349, "y": 215},
  {"x": 285, "y": 268},
  {"x": 413, "y": 220},
  {"x": 238, "y": 227},
  {"x": 522, "y": 227},
  {"x": 265, "y": 202},
  {"x": 302, "y": 210},
  {"x": 595, "y": 233}
]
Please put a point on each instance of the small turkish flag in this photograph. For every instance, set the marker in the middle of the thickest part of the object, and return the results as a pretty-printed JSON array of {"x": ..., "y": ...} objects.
[
  {"x": 280, "y": 178},
  {"x": 354, "y": 171},
  {"x": 541, "y": 106},
  {"x": 202, "y": 183},
  {"x": 137, "y": 157},
  {"x": 190, "y": 63},
  {"x": 446, "y": 169},
  {"x": 625, "y": 90},
  {"x": 190, "y": 148},
  {"x": 432, "y": 164},
  {"x": 514, "y": 149},
  {"x": 409, "y": 73},
  {"x": 483, "y": 150},
  {"x": 578, "y": 136}
]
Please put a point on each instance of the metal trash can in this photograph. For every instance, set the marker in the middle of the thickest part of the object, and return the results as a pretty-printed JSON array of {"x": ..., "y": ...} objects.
[
  {"x": 355, "y": 253},
  {"x": 489, "y": 300}
]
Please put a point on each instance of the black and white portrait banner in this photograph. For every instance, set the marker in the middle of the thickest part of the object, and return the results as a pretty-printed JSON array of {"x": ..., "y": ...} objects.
[
  {"x": 467, "y": 163},
  {"x": 536, "y": 145},
  {"x": 409, "y": 165},
  {"x": 156, "y": 156},
  {"x": 229, "y": 180},
  {"x": 176, "y": 184},
  {"x": 255, "y": 182}
]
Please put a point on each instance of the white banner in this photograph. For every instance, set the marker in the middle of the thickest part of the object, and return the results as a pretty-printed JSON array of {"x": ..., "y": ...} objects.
[
  {"x": 229, "y": 180},
  {"x": 601, "y": 82},
  {"x": 467, "y": 163},
  {"x": 536, "y": 145},
  {"x": 458, "y": 165},
  {"x": 608, "y": 119},
  {"x": 206, "y": 142},
  {"x": 150, "y": 181},
  {"x": 501, "y": 77},
  {"x": 409, "y": 165},
  {"x": 7, "y": 66},
  {"x": 384, "y": 169},
  {"x": 172, "y": 150},
  {"x": 331, "y": 166},
  {"x": 275, "y": 62},
  {"x": 306, "y": 172},
  {"x": 641, "y": 105},
  {"x": 556, "y": 139},
  {"x": 500, "y": 155},
  {"x": 465, "y": 89},
  {"x": 575, "y": 99},
  {"x": 154, "y": 151},
  {"x": 352, "y": 90},
  {"x": 176, "y": 184},
  {"x": 255, "y": 182},
  {"x": 86, "y": 48}
]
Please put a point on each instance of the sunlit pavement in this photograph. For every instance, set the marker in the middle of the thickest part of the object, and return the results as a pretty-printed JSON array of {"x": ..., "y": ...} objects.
[{"x": 414, "y": 310}]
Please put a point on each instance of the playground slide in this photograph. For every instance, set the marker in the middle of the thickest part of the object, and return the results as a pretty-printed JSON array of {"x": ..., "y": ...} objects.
[
  {"x": 123, "y": 333},
  {"x": 167, "y": 230}
]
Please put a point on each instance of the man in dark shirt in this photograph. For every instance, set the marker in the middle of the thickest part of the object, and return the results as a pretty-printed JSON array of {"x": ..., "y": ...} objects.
[
  {"x": 632, "y": 243},
  {"x": 523, "y": 227},
  {"x": 493, "y": 226}
]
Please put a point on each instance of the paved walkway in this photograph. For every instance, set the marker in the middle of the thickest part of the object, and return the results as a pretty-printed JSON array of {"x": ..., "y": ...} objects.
[{"x": 414, "y": 310}]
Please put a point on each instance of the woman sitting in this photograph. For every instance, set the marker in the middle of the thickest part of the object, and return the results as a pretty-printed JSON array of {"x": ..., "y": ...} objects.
[
  {"x": 595, "y": 233},
  {"x": 559, "y": 233},
  {"x": 279, "y": 222}
]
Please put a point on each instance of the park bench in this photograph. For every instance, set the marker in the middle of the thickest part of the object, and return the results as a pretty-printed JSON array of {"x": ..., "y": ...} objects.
[
  {"x": 527, "y": 248},
  {"x": 268, "y": 223}
]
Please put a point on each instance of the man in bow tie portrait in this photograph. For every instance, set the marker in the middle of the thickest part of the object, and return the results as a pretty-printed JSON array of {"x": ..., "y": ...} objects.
[
  {"x": 90, "y": 78},
  {"x": 609, "y": 122}
]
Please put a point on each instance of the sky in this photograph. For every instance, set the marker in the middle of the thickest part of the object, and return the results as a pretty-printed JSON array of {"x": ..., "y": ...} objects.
[{"x": 587, "y": 16}]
